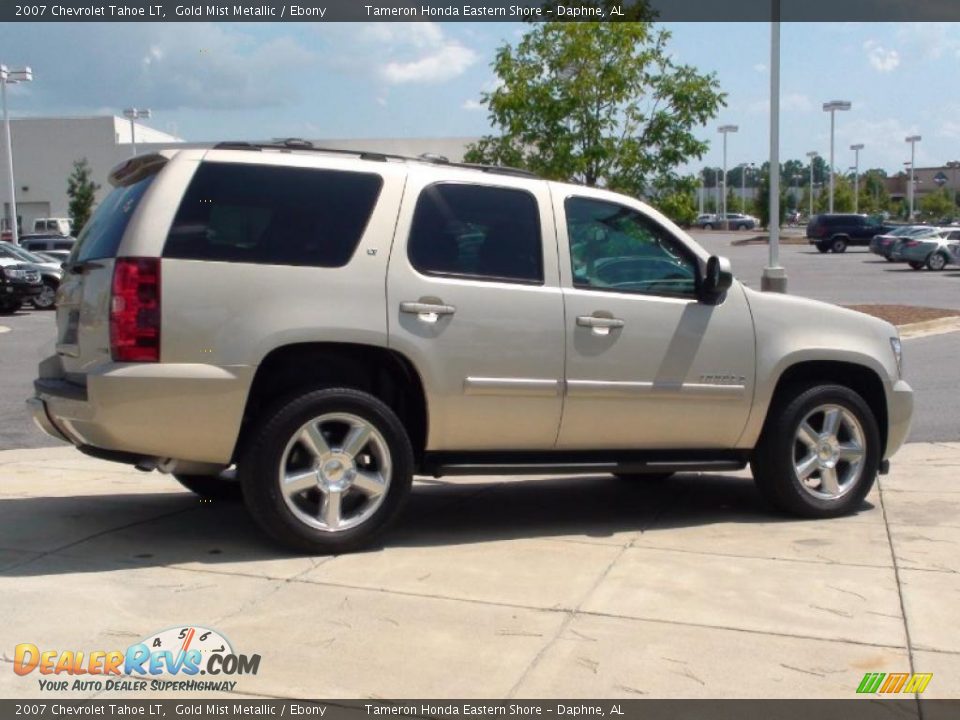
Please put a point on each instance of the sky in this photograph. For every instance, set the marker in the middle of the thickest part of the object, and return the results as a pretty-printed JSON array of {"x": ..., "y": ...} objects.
[{"x": 213, "y": 81}]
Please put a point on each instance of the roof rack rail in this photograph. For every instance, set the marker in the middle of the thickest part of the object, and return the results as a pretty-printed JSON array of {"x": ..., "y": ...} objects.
[{"x": 429, "y": 158}]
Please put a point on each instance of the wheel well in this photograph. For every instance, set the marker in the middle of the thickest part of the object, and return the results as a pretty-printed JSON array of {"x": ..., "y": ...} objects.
[
  {"x": 862, "y": 380},
  {"x": 383, "y": 373}
]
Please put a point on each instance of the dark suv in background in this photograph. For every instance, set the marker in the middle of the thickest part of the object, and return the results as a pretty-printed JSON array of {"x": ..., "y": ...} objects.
[{"x": 834, "y": 232}]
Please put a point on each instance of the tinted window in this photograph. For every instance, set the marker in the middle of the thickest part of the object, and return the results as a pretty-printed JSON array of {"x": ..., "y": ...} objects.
[
  {"x": 478, "y": 232},
  {"x": 272, "y": 215},
  {"x": 103, "y": 232},
  {"x": 613, "y": 247}
]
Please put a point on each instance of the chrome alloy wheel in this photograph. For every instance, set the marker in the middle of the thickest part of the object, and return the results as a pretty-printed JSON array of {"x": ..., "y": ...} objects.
[
  {"x": 829, "y": 452},
  {"x": 46, "y": 299},
  {"x": 335, "y": 471}
]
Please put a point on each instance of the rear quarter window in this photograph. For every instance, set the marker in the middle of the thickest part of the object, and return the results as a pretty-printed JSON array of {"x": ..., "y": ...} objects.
[
  {"x": 101, "y": 236},
  {"x": 272, "y": 215}
]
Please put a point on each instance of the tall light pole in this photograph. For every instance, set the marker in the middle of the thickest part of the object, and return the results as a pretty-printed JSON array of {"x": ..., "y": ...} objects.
[
  {"x": 774, "y": 276},
  {"x": 953, "y": 165},
  {"x": 856, "y": 177},
  {"x": 743, "y": 185},
  {"x": 832, "y": 107},
  {"x": 725, "y": 130},
  {"x": 812, "y": 154},
  {"x": 11, "y": 77},
  {"x": 703, "y": 189},
  {"x": 134, "y": 114},
  {"x": 913, "y": 140}
]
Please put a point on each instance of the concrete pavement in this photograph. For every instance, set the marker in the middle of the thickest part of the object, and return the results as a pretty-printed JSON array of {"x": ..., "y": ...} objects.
[{"x": 494, "y": 587}]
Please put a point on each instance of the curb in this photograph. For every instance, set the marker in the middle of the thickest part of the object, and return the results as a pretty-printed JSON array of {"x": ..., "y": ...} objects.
[
  {"x": 940, "y": 326},
  {"x": 765, "y": 240}
]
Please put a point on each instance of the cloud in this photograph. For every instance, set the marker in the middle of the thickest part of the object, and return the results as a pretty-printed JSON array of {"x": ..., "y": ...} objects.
[
  {"x": 760, "y": 68},
  {"x": 161, "y": 66},
  {"x": 791, "y": 102},
  {"x": 472, "y": 105},
  {"x": 880, "y": 58},
  {"x": 418, "y": 53}
]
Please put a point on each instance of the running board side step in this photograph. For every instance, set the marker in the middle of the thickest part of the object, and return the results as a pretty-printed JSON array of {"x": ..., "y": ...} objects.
[{"x": 441, "y": 464}]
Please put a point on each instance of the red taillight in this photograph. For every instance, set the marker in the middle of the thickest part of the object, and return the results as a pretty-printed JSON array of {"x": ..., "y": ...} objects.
[
  {"x": 135, "y": 310},
  {"x": 911, "y": 243}
]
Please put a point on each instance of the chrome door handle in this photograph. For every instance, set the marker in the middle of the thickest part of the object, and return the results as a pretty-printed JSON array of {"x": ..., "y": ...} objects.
[
  {"x": 427, "y": 312},
  {"x": 600, "y": 325}
]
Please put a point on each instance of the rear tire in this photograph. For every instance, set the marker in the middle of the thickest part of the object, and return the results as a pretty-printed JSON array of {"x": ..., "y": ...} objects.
[
  {"x": 327, "y": 471},
  {"x": 211, "y": 487},
  {"x": 823, "y": 247},
  {"x": 838, "y": 245},
  {"x": 915, "y": 265},
  {"x": 819, "y": 453},
  {"x": 708, "y": 226},
  {"x": 937, "y": 261},
  {"x": 9, "y": 308}
]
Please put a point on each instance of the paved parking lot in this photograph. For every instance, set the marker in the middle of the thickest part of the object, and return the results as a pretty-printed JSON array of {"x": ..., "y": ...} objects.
[
  {"x": 493, "y": 587},
  {"x": 550, "y": 587}
]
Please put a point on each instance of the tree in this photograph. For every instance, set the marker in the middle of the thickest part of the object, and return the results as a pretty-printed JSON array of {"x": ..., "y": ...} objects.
[
  {"x": 82, "y": 191},
  {"x": 602, "y": 104},
  {"x": 937, "y": 204},
  {"x": 842, "y": 195},
  {"x": 763, "y": 201},
  {"x": 874, "y": 197},
  {"x": 676, "y": 198}
]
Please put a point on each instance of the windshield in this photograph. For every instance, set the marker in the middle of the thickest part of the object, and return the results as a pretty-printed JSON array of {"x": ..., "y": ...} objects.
[{"x": 21, "y": 254}]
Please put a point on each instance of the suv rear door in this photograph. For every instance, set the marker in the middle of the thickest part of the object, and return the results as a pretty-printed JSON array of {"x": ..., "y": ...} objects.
[
  {"x": 473, "y": 301},
  {"x": 648, "y": 365}
]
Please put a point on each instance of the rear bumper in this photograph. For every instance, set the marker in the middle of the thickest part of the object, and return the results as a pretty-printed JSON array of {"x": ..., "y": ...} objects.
[
  {"x": 187, "y": 412},
  {"x": 899, "y": 416}
]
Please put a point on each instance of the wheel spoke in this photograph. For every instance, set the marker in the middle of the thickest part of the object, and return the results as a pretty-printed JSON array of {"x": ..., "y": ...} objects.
[
  {"x": 370, "y": 483},
  {"x": 297, "y": 481},
  {"x": 356, "y": 439},
  {"x": 831, "y": 422},
  {"x": 806, "y": 466},
  {"x": 315, "y": 442},
  {"x": 828, "y": 481},
  {"x": 330, "y": 509},
  {"x": 807, "y": 435},
  {"x": 851, "y": 451}
]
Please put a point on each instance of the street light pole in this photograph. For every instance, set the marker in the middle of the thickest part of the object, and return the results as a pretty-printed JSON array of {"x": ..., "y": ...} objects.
[
  {"x": 774, "y": 278},
  {"x": 725, "y": 130},
  {"x": 743, "y": 185},
  {"x": 812, "y": 154},
  {"x": 913, "y": 140},
  {"x": 832, "y": 107},
  {"x": 953, "y": 165},
  {"x": 856, "y": 177},
  {"x": 134, "y": 114},
  {"x": 11, "y": 77}
]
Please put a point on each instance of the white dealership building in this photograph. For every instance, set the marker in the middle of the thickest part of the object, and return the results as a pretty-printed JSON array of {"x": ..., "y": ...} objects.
[{"x": 44, "y": 150}]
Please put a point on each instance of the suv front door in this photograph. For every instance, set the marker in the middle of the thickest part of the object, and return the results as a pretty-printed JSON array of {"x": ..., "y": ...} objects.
[
  {"x": 474, "y": 302},
  {"x": 648, "y": 365}
]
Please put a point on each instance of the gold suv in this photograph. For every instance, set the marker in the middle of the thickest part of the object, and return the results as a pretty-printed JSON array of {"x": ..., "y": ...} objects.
[{"x": 315, "y": 327}]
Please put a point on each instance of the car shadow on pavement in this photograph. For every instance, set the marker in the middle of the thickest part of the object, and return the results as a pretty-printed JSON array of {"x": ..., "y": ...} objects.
[{"x": 94, "y": 534}]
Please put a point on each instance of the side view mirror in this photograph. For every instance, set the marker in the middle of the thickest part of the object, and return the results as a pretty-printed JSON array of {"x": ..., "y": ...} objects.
[{"x": 717, "y": 278}]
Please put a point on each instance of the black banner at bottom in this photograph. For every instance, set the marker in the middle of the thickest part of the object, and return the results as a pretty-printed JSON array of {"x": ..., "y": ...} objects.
[{"x": 854, "y": 709}]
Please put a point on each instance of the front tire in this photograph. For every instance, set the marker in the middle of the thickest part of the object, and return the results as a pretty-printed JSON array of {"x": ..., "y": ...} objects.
[
  {"x": 819, "y": 453},
  {"x": 47, "y": 299},
  {"x": 328, "y": 471}
]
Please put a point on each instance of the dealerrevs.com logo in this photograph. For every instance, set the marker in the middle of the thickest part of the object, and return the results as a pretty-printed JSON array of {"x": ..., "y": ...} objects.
[{"x": 170, "y": 660}]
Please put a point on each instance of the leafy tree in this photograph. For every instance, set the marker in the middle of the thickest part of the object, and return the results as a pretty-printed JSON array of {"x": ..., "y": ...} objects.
[
  {"x": 842, "y": 195},
  {"x": 82, "y": 191},
  {"x": 603, "y": 104},
  {"x": 937, "y": 204},
  {"x": 676, "y": 198},
  {"x": 874, "y": 197}
]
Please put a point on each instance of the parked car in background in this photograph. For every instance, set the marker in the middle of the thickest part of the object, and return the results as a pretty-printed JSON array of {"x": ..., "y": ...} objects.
[
  {"x": 836, "y": 232},
  {"x": 18, "y": 284},
  {"x": 47, "y": 242},
  {"x": 707, "y": 221},
  {"x": 928, "y": 251},
  {"x": 51, "y": 272},
  {"x": 61, "y": 225},
  {"x": 883, "y": 244},
  {"x": 739, "y": 221}
]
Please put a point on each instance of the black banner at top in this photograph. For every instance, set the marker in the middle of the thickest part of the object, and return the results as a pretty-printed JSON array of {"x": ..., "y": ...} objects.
[{"x": 479, "y": 10}]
